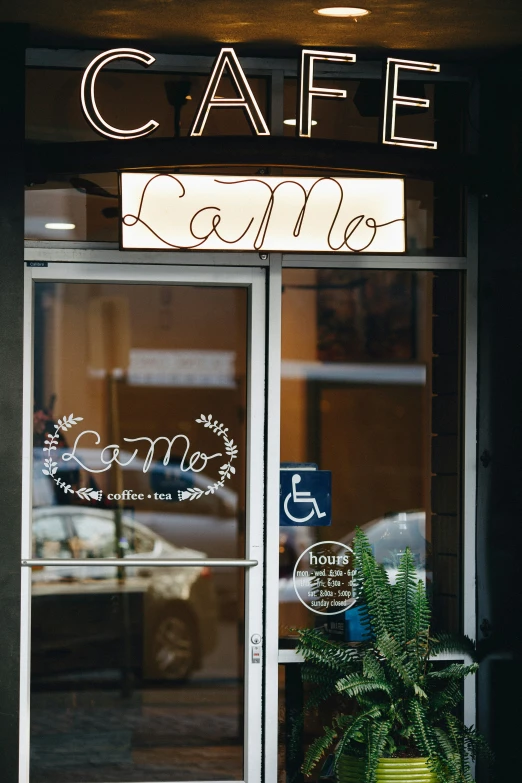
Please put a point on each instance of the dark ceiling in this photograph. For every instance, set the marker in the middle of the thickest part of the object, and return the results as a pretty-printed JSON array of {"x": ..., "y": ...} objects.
[{"x": 468, "y": 27}]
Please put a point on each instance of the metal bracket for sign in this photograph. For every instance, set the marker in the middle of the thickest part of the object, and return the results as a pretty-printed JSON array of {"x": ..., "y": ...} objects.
[{"x": 143, "y": 562}]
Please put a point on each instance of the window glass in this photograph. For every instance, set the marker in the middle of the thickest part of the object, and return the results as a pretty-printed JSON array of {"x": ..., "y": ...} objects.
[
  {"x": 371, "y": 392},
  {"x": 139, "y": 441}
]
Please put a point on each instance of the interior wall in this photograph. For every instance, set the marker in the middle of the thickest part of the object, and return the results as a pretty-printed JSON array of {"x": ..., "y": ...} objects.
[{"x": 376, "y": 438}]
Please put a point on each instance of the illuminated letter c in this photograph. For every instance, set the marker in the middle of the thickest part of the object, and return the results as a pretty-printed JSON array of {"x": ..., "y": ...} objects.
[{"x": 89, "y": 106}]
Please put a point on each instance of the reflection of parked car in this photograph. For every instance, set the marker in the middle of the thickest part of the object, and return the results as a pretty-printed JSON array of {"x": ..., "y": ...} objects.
[
  {"x": 390, "y": 535},
  {"x": 158, "y": 621}
]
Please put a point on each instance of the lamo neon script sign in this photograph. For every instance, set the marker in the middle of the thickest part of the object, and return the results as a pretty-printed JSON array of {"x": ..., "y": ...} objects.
[{"x": 228, "y": 62}]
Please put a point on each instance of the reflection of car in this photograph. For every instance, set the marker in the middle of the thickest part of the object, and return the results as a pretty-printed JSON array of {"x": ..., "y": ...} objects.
[
  {"x": 390, "y": 535},
  {"x": 157, "y": 621},
  {"x": 211, "y": 522}
]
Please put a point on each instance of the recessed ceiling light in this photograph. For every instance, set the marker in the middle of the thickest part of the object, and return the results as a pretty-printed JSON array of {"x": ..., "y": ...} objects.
[
  {"x": 60, "y": 226},
  {"x": 294, "y": 122},
  {"x": 342, "y": 12}
]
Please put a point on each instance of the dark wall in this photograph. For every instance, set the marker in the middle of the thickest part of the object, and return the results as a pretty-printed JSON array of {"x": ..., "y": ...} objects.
[
  {"x": 499, "y": 512},
  {"x": 12, "y": 63}
]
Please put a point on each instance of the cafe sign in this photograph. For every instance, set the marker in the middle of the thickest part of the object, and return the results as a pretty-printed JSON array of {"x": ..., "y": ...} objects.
[
  {"x": 227, "y": 63},
  {"x": 163, "y": 211}
]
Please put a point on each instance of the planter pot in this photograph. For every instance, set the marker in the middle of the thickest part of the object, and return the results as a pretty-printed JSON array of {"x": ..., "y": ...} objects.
[{"x": 350, "y": 770}]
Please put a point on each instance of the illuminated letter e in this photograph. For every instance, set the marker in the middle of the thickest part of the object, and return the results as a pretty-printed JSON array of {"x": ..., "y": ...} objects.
[{"x": 392, "y": 99}]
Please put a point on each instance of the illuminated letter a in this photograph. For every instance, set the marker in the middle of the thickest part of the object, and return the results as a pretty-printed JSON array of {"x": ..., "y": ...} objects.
[{"x": 227, "y": 58}]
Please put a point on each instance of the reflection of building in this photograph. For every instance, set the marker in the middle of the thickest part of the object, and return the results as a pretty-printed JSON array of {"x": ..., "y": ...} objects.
[{"x": 376, "y": 373}]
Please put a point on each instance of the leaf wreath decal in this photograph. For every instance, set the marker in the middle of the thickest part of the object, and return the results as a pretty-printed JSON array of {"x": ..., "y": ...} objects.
[
  {"x": 51, "y": 467},
  {"x": 226, "y": 471}
]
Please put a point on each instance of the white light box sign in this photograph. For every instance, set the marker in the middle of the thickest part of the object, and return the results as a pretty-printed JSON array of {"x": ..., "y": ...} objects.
[{"x": 304, "y": 214}]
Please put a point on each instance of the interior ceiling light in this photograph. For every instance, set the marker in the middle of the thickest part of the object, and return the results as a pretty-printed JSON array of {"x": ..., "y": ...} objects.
[
  {"x": 60, "y": 226},
  {"x": 294, "y": 122},
  {"x": 342, "y": 12}
]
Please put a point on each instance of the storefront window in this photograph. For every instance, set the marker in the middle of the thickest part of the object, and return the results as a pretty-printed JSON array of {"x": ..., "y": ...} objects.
[
  {"x": 137, "y": 672},
  {"x": 371, "y": 392}
]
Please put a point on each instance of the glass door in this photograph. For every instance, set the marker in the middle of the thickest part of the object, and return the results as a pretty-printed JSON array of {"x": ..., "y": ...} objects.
[{"x": 142, "y": 551}]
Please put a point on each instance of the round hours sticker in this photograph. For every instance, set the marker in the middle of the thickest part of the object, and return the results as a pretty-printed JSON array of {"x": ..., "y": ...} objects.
[{"x": 323, "y": 578}]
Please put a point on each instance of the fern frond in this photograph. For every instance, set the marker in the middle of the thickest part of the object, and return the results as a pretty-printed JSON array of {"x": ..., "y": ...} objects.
[
  {"x": 319, "y": 695},
  {"x": 396, "y": 658},
  {"x": 376, "y": 741},
  {"x": 421, "y": 729},
  {"x": 361, "y": 546},
  {"x": 318, "y": 748},
  {"x": 455, "y": 671},
  {"x": 446, "y": 699},
  {"x": 403, "y": 598},
  {"x": 459, "y": 763},
  {"x": 317, "y": 649},
  {"x": 419, "y": 691},
  {"x": 355, "y": 685},
  {"x": 451, "y": 643},
  {"x": 372, "y": 584},
  {"x": 371, "y": 667},
  {"x": 352, "y": 726},
  {"x": 420, "y": 626},
  {"x": 475, "y": 744},
  {"x": 377, "y": 595},
  {"x": 318, "y": 675}
]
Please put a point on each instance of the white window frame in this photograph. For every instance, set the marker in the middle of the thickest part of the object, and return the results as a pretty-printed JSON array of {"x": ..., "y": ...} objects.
[{"x": 254, "y": 279}]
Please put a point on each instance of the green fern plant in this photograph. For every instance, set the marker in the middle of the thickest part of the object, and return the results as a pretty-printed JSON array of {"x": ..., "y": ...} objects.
[{"x": 395, "y": 700}]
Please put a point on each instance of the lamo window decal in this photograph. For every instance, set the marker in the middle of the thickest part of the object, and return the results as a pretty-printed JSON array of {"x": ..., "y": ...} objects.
[{"x": 109, "y": 456}]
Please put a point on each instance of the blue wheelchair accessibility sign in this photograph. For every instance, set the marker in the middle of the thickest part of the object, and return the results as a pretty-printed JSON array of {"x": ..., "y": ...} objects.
[{"x": 305, "y": 496}]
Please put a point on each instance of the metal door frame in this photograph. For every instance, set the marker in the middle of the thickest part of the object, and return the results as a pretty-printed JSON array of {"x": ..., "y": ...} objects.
[{"x": 254, "y": 280}]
